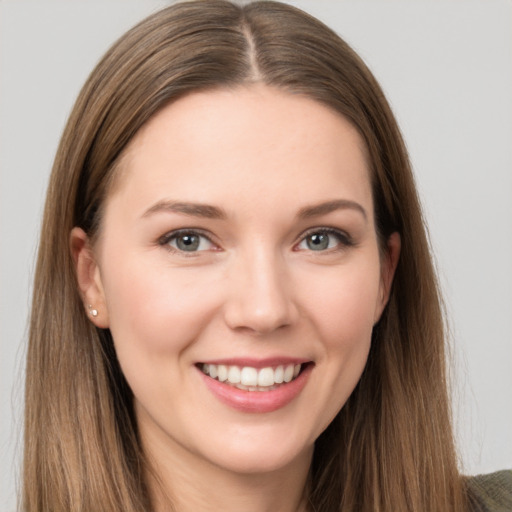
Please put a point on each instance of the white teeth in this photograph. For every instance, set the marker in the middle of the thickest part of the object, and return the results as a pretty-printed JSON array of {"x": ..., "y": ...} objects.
[
  {"x": 266, "y": 377},
  {"x": 222, "y": 372},
  {"x": 279, "y": 375},
  {"x": 252, "y": 379},
  {"x": 288, "y": 373},
  {"x": 233, "y": 374},
  {"x": 248, "y": 376}
]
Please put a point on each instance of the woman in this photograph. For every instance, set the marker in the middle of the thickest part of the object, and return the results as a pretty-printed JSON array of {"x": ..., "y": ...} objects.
[{"x": 243, "y": 308}]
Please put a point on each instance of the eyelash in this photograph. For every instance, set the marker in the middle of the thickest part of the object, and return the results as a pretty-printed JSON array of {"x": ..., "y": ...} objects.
[
  {"x": 166, "y": 239},
  {"x": 344, "y": 240}
]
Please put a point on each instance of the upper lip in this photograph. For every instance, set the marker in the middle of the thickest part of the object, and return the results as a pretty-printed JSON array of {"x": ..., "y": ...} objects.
[{"x": 257, "y": 363}]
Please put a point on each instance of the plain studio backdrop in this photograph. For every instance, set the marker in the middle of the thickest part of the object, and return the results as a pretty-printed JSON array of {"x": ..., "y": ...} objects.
[{"x": 446, "y": 68}]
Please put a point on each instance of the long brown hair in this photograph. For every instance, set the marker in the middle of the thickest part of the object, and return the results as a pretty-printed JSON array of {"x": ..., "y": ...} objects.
[{"x": 391, "y": 447}]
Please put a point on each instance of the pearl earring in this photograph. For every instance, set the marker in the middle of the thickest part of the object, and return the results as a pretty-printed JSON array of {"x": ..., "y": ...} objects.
[{"x": 93, "y": 312}]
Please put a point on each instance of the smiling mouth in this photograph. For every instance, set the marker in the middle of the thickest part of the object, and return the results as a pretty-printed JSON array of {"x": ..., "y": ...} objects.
[{"x": 248, "y": 378}]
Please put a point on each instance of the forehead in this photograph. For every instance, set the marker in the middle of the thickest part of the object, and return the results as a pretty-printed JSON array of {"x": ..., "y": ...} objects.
[{"x": 248, "y": 140}]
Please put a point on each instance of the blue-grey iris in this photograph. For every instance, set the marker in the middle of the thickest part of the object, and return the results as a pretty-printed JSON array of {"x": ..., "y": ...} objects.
[
  {"x": 187, "y": 242},
  {"x": 318, "y": 241}
]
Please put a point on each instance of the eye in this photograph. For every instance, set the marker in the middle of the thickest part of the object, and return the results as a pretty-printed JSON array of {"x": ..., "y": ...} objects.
[
  {"x": 186, "y": 241},
  {"x": 323, "y": 240}
]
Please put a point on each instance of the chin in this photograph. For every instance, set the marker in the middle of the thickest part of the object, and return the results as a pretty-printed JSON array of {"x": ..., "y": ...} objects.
[
  {"x": 258, "y": 453},
  {"x": 251, "y": 462}
]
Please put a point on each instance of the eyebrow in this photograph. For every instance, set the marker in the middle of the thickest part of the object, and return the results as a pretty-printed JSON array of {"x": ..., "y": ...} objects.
[
  {"x": 193, "y": 209},
  {"x": 213, "y": 212},
  {"x": 329, "y": 207}
]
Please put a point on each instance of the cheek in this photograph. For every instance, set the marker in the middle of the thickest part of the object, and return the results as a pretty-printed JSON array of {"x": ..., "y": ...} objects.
[
  {"x": 340, "y": 304},
  {"x": 156, "y": 315},
  {"x": 155, "y": 310},
  {"x": 343, "y": 304}
]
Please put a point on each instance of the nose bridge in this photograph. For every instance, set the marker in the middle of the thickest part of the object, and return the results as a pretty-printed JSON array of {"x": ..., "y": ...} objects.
[{"x": 260, "y": 298}]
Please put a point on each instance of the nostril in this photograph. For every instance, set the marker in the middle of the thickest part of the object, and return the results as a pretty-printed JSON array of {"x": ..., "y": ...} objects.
[{"x": 246, "y": 315}]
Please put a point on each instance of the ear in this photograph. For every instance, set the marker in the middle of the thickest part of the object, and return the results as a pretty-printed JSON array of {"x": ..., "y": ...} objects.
[
  {"x": 89, "y": 278},
  {"x": 388, "y": 266}
]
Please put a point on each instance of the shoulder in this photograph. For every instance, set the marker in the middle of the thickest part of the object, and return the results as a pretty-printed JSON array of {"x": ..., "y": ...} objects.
[{"x": 492, "y": 492}]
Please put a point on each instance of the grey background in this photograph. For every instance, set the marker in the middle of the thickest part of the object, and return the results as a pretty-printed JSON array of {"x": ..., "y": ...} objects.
[{"x": 447, "y": 70}]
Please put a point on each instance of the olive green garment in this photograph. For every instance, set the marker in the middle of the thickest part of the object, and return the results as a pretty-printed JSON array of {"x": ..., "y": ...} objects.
[{"x": 491, "y": 493}]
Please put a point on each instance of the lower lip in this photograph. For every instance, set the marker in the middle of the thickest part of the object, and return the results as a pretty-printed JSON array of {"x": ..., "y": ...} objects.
[{"x": 257, "y": 401}]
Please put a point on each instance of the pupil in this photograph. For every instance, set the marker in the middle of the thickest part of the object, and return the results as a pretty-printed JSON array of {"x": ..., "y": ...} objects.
[
  {"x": 318, "y": 242},
  {"x": 188, "y": 242}
]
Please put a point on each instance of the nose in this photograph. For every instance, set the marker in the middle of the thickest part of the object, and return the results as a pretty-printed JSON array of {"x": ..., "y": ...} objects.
[{"x": 260, "y": 295}]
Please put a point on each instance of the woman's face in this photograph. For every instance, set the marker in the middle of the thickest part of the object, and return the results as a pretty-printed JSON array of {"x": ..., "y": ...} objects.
[{"x": 239, "y": 243}]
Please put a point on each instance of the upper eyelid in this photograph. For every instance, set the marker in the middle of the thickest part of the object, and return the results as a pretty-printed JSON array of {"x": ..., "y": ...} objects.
[
  {"x": 324, "y": 229},
  {"x": 184, "y": 231}
]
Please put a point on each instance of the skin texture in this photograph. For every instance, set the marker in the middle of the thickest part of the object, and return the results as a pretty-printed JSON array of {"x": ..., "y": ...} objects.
[{"x": 254, "y": 288}]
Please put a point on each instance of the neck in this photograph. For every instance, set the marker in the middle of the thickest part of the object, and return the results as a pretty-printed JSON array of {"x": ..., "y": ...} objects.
[{"x": 183, "y": 482}]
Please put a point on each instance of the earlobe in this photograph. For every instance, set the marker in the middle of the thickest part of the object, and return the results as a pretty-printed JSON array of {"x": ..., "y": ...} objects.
[
  {"x": 388, "y": 268},
  {"x": 88, "y": 278}
]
